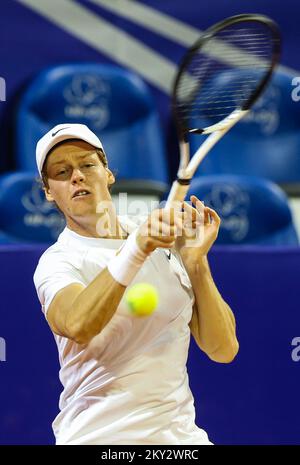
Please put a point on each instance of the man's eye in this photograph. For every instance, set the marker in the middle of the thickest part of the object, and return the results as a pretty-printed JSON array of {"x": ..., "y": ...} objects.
[{"x": 88, "y": 165}]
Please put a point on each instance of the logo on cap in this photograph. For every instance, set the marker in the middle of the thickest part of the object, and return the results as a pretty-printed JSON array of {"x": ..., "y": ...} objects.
[{"x": 61, "y": 129}]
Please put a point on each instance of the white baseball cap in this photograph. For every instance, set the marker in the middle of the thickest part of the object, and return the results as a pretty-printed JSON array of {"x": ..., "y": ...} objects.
[{"x": 63, "y": 132}]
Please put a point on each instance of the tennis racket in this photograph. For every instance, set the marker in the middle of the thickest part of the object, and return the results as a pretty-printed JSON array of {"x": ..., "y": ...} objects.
[{"x": 219, "y": 79}]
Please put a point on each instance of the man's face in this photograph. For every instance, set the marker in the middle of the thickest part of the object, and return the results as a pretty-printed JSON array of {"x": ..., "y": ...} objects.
[{"x": 73, "y": 166}]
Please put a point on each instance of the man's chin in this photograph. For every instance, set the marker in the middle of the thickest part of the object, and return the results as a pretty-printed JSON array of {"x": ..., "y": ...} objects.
[{"x": 82, "y": 210}]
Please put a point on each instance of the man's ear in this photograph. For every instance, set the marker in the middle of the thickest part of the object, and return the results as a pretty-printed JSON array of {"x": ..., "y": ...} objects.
[
  {"x": 48, "y": 194},
  {"x": 110, "y": 177}
]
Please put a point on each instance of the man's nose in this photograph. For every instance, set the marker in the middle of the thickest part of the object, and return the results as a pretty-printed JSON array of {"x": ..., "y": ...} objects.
[{"x": 77, "y": 176}]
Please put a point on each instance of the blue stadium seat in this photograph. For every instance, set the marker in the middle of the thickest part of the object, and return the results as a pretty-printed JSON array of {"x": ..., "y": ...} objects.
[
  {"x": 266, "y": 143},
  {"x": 114, "y": 103},
  {"x": 253, "y": 210},
  {"x": 25, "y": 215}
]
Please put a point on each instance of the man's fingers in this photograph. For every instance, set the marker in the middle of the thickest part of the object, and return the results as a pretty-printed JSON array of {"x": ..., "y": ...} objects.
[
  {"x": 162, "y": 229},
  {"x": 171, "y": 215},
  {"x": 165, "y": 240},
  {"x": 165, "y": 215},
  {"x": 214, "y": 215},
  {"x": 189, "y": 212},
  {"x": 199, "y": 205},
  {"x": 192, "y": 216},
  {"x": 210, "y": 215}
]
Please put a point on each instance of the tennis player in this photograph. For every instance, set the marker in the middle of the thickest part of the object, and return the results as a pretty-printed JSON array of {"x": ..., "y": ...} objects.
[{"x": 124, "y": 378}]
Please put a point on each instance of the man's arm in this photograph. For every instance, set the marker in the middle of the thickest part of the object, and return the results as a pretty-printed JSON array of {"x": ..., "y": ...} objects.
[
  {"x": 212, "y": 323},
  {"x": 80, "y": 313}
]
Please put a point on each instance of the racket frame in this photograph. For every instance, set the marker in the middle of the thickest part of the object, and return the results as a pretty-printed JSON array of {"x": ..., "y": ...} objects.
[{"x": 187, "y": 167}]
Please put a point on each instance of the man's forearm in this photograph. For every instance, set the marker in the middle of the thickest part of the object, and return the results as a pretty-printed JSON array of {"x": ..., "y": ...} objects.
[
  {"x": 94, "y": 307},
  {"x": 213, "y": 323}
]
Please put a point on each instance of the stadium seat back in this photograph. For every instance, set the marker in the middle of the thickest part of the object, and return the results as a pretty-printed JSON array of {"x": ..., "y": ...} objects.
[
  {"x": 25, "y": 214},
  {"x": 114, "y": 103},
  {"x": 253, "y": 210},
  {"x": 266, "y": 143}
]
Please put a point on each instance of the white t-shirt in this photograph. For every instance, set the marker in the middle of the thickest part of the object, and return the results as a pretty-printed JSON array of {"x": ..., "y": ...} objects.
[{"x": 129, "y": 385}]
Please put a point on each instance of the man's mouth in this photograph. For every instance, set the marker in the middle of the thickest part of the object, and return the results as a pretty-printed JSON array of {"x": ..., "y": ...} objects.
[{"x": 81, "y": 193}]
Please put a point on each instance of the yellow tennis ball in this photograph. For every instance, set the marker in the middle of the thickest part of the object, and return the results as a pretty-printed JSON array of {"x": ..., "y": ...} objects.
[{"x": 142, "y": 299}]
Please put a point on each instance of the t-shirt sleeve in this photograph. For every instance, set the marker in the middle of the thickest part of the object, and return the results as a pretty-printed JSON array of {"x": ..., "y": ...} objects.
[{"x": 54, "y": 272}]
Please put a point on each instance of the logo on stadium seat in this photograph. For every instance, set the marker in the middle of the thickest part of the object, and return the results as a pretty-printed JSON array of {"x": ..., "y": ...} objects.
[
  {"x": 40, "y": 212},
  {"x": 87, "y": 97},
  {"x": 265, "y": 113},
  {"x": 231, "y": 203}
]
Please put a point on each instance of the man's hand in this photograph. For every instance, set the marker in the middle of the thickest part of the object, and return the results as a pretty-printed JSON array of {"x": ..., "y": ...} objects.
[
  {"x": 200, "y": 229},
  {"x": 161, "y": 229}
]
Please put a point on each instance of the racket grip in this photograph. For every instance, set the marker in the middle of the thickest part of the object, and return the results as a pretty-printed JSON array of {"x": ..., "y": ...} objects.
[{"x": 177, "y": 193}]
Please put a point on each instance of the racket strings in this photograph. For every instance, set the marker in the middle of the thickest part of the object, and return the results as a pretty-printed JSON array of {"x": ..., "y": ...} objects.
[{"x": 223, "y": 74}]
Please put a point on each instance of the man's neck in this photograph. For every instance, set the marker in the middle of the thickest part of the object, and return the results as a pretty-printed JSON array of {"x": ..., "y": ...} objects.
[{"x": 106, "y": 227}]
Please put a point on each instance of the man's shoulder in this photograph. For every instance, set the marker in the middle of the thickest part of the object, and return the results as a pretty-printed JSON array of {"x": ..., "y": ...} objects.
[
  {"x": 49, "y": 255},
  {"x": 53, "y": 249},
  {"x": 57, "y": 252}
]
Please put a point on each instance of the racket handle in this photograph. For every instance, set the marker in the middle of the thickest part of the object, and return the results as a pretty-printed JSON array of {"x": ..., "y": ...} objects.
[{"x": 177, "y": 193}]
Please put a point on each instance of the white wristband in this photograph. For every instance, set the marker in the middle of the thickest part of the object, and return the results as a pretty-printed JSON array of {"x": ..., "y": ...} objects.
[{"x": 124, "y": 266}]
